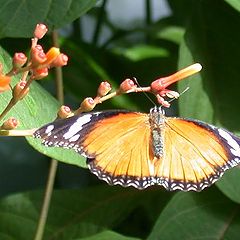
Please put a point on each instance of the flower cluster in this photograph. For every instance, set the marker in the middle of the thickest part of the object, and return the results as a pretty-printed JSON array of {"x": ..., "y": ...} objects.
[
  {"x": 37, "y": 65},
  {"x": 34, "y": 67},
  {"x": 158, "y": 87}
]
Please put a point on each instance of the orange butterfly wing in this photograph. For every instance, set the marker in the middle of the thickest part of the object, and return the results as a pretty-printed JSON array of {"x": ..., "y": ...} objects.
[
  {"x": 194, "y": 157},
  {"x": 121, "y": 150}
]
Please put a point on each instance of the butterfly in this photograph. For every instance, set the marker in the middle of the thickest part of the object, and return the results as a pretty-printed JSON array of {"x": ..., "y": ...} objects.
[{"x": 140, "y": 150}]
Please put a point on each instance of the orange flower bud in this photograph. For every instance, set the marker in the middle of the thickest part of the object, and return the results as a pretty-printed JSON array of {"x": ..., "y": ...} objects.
[
  {"x": 126, "y": 85},
  {"x": 4, "y": 83},
  {"x": 40, "y": 30},
  {"x": 60, "y": 61},
  {"x": 64, "y": 112},
  {"x": 18, "y": 89},
  {"x": 103, "y": 89},
  {"x": 51, "y": 55},
  {"x": 40, "y": 73},
  {"x": 19, "y": 59},
  {"x": 10, "y": 124}
]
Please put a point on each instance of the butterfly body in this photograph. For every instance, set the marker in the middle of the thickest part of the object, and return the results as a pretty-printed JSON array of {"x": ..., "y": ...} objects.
[{"x": 140, "y": 150}]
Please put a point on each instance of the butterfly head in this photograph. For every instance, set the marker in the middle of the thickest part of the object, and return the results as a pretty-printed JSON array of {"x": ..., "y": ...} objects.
[{"x": 156, "y": 115}]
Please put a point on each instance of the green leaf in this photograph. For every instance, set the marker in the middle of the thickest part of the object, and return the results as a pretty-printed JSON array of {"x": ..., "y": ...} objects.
[
  {"x": 214, "y": 94},
  {"x": 216, "y": 48},
  {"x": 229, "y": 184},
  {"x": 142, "y": 52},
  {"x": 15, "y": 15},
  {"x": 35, "y": 110},
  {"x": 76, "y": 214},
  {"x": 171, "y": 33},
  {"x": 234, "y": 3},
  {"x": 193, "y": 101},
  {"x": 205, "y": 215},
  {"x": 107, "y": 235}
]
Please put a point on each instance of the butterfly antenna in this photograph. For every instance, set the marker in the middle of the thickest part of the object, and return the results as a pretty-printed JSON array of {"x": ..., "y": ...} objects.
[{"x": 136, "y": 81}]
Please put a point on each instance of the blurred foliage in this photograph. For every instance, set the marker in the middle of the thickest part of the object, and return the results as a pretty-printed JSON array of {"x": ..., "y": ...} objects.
[{"x": 195, "y": 31}]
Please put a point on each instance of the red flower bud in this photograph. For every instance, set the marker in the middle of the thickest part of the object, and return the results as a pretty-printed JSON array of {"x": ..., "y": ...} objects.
[
  {"x": 40, "y": 30},
  {"x": 60, "y": 61},
  {"x": 19, "y": 59},
  {"x": 103, "y": 89},
  {"x": 38, "y": 56},
  {"x": 126, "y": 85},
  {"x": 40, "y": 73},
  {"x": 39, "y": 48}
]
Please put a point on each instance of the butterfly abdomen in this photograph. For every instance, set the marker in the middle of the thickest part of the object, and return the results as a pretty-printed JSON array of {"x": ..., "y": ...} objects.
[{"x": 156, "y": 120}]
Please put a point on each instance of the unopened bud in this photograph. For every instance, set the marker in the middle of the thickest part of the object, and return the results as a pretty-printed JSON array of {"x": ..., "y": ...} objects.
[
  {"x": 19, "y": 59},
  {"x": 40, "y": 30},
  {"x": 40, "y": 73},
  {"x": 87, "y": 105},
  {"x": 103, "y": 89},
  {"x": 18, "y": 89},
  {"x": 60, "y": 61},
  {"x": 126, "y": 85},
  {"x": 39, "y": 47},
  {"x": 51, "y": 55},
  {"x": 37, "y": 56},
  {"x": 10, "y": 124},
  {"x": 64, "y": 112}
]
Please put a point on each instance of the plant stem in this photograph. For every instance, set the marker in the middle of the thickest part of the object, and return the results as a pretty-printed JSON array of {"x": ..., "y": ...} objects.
[
  {"x": 54, "y": 163},
  {"x": 148, "y": 12},
  {"x": 148, "y": 17},
  {"x": 99, "y": 23},
  {"x": 13, "y": 100},
  {"x": 46, "y": 201}
]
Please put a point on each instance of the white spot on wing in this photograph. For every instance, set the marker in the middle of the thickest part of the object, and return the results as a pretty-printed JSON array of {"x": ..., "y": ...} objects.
[
  {"x": 235, "y": 146},
  {"x": 74, "y": 138},
  {"x": 49, "y": 129},
  {"x": 77, "y": 126}
]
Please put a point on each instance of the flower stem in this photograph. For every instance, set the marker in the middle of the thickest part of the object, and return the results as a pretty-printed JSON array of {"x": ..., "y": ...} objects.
[{"x": 46, "y": 201}]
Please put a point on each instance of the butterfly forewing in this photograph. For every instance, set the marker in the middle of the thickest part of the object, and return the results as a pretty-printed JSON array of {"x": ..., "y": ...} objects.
[{"x": 121, "y": 153}]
